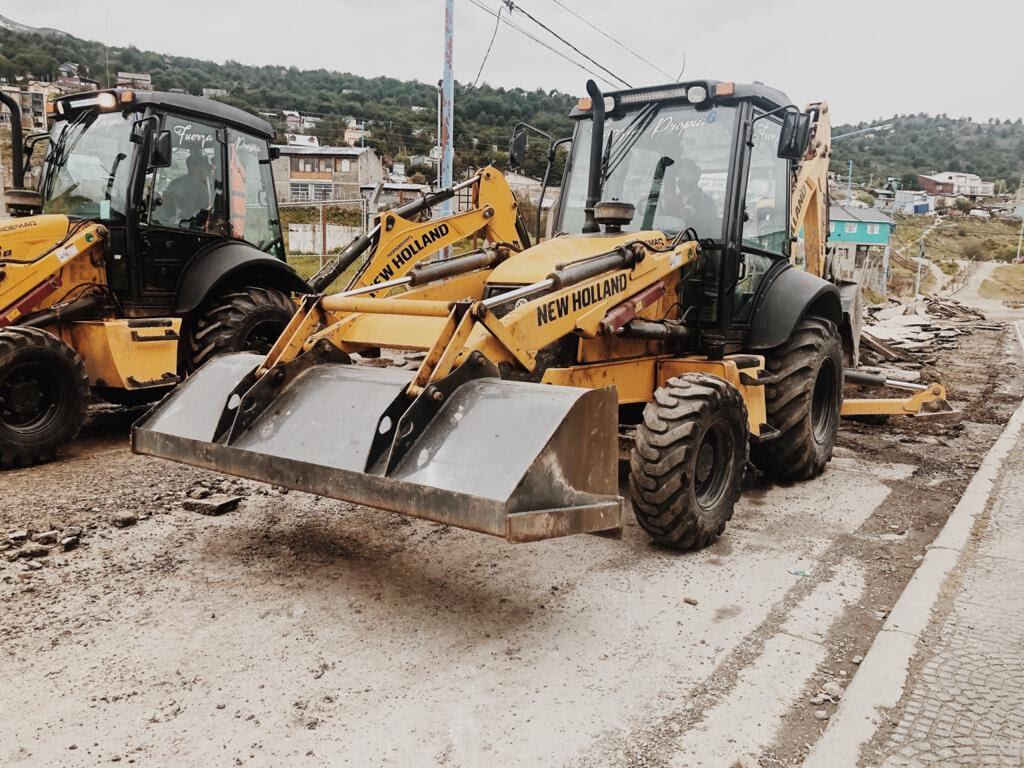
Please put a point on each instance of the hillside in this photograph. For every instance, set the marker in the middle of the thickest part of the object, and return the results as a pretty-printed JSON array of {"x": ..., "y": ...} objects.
[
  {"x": 401, "y": 114},
  {"x": 928, "y": 144}
]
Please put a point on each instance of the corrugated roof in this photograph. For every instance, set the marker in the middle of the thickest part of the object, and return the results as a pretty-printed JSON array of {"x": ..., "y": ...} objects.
[
  {"x": 871, "y": 215},
  {"x": 287, "y": 149}
]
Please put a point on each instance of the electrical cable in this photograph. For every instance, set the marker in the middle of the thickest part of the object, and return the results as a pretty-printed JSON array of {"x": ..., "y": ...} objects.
[
  {"x": 537, "y": 40},
  {"x": 513, "y": 7},
  {"x": 617, "y": 42},
  {"x": 494, "y": 34}
]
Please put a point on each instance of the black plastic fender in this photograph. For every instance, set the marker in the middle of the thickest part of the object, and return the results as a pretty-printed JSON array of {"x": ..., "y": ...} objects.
[
  {"x": 792, "y": 295},
  {"x": 233, "y": 264}
]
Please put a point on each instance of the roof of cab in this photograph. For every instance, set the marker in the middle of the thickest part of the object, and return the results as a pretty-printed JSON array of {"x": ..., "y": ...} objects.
[{"x": 198, "y": 106}]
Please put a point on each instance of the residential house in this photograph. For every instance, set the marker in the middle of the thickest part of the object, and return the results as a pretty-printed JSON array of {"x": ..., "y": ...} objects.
[
  {"x": 391, "y": 194},
  {"x": 855, "y": 234},
  {"x": 912, "y": 201},
  {"x": 954, "y": 184},
  {"x": 314, "y": 173},
  {"x": 140, "y": 81},
  {"x": 216, "y": 93}
]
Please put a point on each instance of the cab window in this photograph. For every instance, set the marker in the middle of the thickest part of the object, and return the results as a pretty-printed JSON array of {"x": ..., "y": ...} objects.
[
  {"x": 189, "y": 194},
  {"x": 765, "y": 225},
  {"x": 252, "y": 209}
]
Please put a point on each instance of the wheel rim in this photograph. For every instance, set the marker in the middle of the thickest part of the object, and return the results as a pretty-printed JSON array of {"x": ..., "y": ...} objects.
[
  {"x": 823, "y": 402},
  {"x": 262, "y": 337},
  {"x": 30, "y": 398},
  {"x": 713, "y": 466}
]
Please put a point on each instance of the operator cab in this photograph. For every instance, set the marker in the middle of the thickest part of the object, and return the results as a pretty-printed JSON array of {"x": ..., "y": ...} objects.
[
  {"x": 705, "y": 160},
  {"x": 168, "y": 173}
]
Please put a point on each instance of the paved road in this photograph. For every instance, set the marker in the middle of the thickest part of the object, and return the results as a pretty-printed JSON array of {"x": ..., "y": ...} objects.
[{"x": 965, "y": 704}]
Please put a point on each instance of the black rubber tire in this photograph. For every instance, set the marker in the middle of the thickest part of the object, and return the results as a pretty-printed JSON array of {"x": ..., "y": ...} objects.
[
  {"x": 805, "y": 405},
  {"x": 44, "y": 394},
  {"x": 686, "y": 467},
  {"x": 244, "y": 320}
]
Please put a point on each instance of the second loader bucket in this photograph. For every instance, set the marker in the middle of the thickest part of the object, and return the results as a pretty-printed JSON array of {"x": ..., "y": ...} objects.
[{"x": 518, "y": 460}]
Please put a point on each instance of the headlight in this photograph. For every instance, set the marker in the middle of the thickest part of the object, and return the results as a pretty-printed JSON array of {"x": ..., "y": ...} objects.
[
  {"x": 106, "y": 101},
  {"x": 695, "y": 94}
]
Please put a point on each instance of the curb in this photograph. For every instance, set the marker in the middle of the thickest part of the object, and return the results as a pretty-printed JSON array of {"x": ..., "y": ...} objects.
[{"x": 880, "y": 679}]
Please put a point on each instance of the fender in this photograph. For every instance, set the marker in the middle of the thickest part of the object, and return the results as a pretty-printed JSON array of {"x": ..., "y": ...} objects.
[
  {"x": 792, "y": 295},
  {"x": 232, "y": 263}
]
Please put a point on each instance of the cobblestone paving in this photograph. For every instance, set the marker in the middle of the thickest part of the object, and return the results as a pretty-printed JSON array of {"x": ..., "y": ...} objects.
[{"x": 965, "y": 704}]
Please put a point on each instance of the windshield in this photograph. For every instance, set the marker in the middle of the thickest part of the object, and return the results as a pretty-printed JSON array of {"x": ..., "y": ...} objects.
[
  {"x": 88, "y": 165},
  {"x": 670, "y": 161}
]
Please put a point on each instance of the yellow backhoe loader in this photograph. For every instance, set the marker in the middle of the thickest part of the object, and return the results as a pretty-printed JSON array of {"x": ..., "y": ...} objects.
[
  {"x": 153, "y": 244},
  {"x": 670, "y": 306}
]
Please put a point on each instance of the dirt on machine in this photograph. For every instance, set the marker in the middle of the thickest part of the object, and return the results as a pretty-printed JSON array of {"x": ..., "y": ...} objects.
[
  {"x": 675, "y": 310},
  {"x": 150, "y": 243}
]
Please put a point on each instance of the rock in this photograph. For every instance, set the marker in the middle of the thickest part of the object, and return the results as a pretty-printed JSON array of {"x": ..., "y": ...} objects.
[
  {"x": 17, "y": 537},
  {"x": 12, "y": 556},
  {"x": 72, "y": 530},
  {"x": 833, "y": 690},
  {"x": 69, "y": 543},
  {"x": 818, "y": 699},
  {"x": 34, "y": 549},
  {"x": 199, "y": 493},
  {"x": 215, "y": 505},
  {"x": 33, "y": 565},
  {"x": 48, "y": 537},
  {"x": 857, "y": 659},
  {"x": 124, "y": 519},
  {"x": 690, "y": 600},
  {"x": 820, "y": 714}
]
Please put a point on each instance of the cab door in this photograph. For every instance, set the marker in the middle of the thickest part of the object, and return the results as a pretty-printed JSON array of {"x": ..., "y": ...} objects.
[{"x": 187, "y": 206}]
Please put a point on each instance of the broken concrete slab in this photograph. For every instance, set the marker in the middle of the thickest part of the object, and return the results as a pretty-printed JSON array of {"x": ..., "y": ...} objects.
[{"x": 214, "y": 505}]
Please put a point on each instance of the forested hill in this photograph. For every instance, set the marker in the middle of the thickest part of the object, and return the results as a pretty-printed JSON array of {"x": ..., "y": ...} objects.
[
  {"x": 925, "y": 144},
  {"x": 401, "y": 115}
]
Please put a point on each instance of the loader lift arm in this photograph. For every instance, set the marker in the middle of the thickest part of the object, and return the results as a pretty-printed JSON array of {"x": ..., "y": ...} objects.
[{"x": 399, "y": 241}]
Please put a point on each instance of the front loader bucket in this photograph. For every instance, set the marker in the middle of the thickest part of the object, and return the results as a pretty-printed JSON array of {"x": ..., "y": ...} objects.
[{"x": 522, "y": 461}]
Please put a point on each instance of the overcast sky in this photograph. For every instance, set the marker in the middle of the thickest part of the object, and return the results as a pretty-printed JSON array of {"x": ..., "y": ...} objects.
[{"x": 868, "y": 58}]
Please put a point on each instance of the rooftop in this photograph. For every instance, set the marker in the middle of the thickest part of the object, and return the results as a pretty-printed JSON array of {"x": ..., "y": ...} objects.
[
  {"x": 870, "y": 215},
  {"x": 329, "y": 151}
]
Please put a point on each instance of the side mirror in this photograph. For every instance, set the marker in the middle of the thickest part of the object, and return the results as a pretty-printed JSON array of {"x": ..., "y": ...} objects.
[
  {"x": 795, "y": 133},
  {"x": 160, "y": 154},
  {"x": 517, "y": 150},
  {"x": 275, "y": 152}
]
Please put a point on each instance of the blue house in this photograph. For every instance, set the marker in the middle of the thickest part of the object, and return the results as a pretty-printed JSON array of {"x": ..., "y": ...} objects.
[{"x": 855, "y": 235}]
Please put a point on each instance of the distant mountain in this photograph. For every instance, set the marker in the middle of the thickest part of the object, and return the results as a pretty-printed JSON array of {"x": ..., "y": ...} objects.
[{"x": 13, "y": 26}]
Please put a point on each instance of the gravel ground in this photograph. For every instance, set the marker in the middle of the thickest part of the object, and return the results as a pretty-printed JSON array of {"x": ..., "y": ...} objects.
[{"x": 295, "y": 630}]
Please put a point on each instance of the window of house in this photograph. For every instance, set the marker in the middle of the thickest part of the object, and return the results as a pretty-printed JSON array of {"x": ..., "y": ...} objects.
[
  {"x": 874, "y": 229},
  {"x": 298, "y": 193},
  {"x": 831, "y": 227},
  {"x": 850, "y": 228},
  {"x": 323, "y": 191},
  {"x": 346, "y": 166}
]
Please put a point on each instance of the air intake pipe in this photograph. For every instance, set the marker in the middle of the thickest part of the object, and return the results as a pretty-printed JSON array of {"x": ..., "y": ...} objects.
[
  {"x": 596, "y": 151},
  {"x": 17, "y": 142}
]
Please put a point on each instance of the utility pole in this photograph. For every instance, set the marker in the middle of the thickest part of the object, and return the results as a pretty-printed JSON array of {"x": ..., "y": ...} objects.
[
  {"x": 849, "y": 184},
  {"x": 1020, "y": 212},
  {"x": 447, "y": 101},
  {"x": 917, "y": 277}
]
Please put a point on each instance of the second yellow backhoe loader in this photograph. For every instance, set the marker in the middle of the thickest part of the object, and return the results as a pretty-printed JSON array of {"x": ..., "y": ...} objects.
[
  {"x": 159, "y": 247},
  {"x": 670, "y": 307}
]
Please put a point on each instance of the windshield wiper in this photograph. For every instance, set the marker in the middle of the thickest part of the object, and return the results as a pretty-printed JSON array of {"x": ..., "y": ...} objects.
[
  {"x": 113, "y": 172},
  {"x": 633, "y": 132},
  {"x": 655, "y": 194},
  {"x": 60, "y": 152}
]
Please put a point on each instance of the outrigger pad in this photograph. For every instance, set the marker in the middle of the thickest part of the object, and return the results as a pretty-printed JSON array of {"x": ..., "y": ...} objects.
[{"x": 518, "y": 460}]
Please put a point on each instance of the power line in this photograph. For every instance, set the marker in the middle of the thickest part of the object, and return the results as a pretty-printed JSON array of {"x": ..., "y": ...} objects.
[
  {"x": 537, "y": 40},
  {"x": 497, "y": 23},
  {"x": 617, "y": 42},
  {"x": 513, "y": 7}
]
